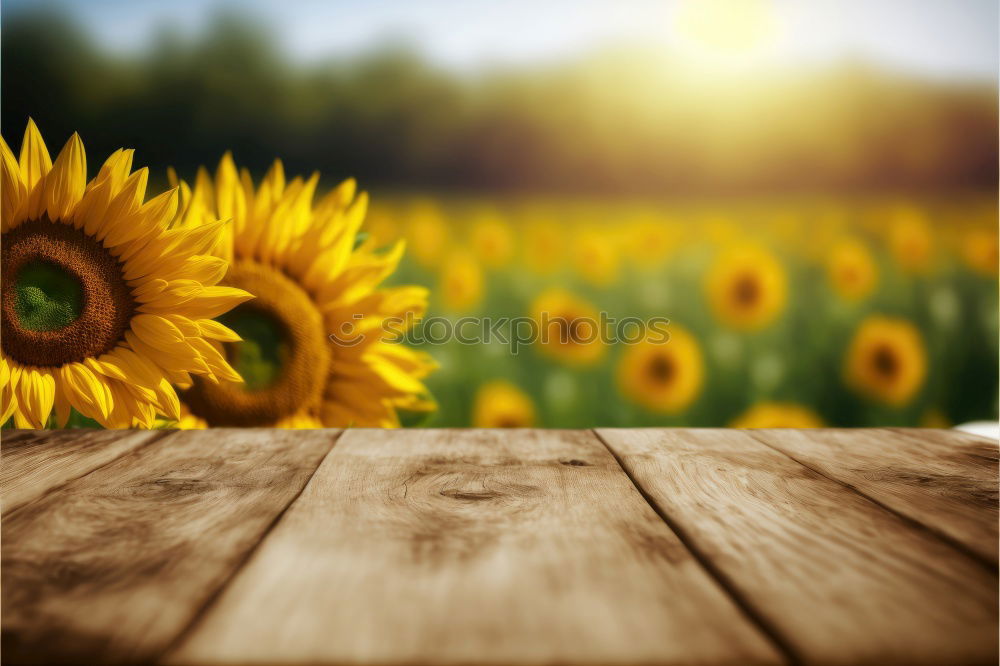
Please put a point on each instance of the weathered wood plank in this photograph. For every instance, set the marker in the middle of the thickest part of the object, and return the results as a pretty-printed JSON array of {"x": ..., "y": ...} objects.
[
  {"x": 33, "y": 462},
  {"x": 842, "y": 579},
  {"x": 116, "y": 564},
  {"x": 942, "y": 479},
  {"x": 444, "y": 547}
]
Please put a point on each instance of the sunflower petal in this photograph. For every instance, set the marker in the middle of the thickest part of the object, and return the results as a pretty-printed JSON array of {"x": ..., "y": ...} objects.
[
  {"x": 12, "y": 189},
  {"x": 86, "y": 393},
  {"x": 66, "y": 182},
  {"x": 35, "y": 162}
]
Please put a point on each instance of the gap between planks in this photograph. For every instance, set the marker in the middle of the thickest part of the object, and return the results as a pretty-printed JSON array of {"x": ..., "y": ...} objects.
[
  {"x": 66, "y": 475},
  {"x": 742, "y": 601},
  {"x": 915, "y": 523},
  {"x": 201, "y": 612}
]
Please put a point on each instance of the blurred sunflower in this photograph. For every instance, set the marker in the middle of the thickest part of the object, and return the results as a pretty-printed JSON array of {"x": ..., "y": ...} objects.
[
  {"x": 778, "y": 415},
  {"x": 746, "y": 287},
  {"x": 312, "y": 280},
  {"x": 663, "y": 377},
  {"x": 910, "y": 239},
  {"x": 886, "y": 360},
  {"x": 595, "y": 257},
  {"x": 648, "y": 242},
  {"x": 500, "y": 404},
  {"x": 568, "y": 328},
  {"x": 103, "y": 307},
  {"x": 543, "y": 247},
  {"x": 851, "y": 269},
  {"x": 426, "y": 232},
  {"x": 492, "y": 240},
  {"x": 461, "y": 281},
  {"x": 980, "y": 250}
]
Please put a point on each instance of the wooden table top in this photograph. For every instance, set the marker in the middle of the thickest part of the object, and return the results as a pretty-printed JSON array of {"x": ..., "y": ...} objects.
[{"x": 502, "y": 547}]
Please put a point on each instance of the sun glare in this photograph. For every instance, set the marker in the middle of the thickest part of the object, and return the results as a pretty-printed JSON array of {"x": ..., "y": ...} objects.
[{"x": 726, "y": 34}]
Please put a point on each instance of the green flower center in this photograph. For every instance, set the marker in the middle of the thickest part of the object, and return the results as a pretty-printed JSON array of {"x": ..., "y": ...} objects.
[
  {"x": 48, "y": 297},
  {"x": 263, "y": 354}
]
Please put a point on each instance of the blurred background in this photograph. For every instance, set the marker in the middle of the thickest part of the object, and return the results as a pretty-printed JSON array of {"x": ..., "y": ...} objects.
[{"x": 807, "y": 190}]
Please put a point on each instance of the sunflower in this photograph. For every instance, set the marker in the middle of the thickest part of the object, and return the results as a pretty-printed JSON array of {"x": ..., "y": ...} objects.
[
  {"x": 852, "y": 270},
  {"x": 663, "y": 376},
  {"x": 543, "y": 247},
  {"x": 746, "y": 287},
  {"x": 461, "y": 281},
  {"x": 103, "y": 306},
  {"x": 910, "y": 240},
  {"x": 595, "y": 257},
  {"x": 778, "y": 415},
  {"x": 980, "y": 250},
  {"x": 568, "y": 328},
  {"x": 886, "y": 360},
  {"x": 492, "y": 240},
  {"x": 650, "y": 241},
  {"x": 500, "y": 404},
  {"x": 320, "y": 342},
  {"x": 427, "y": 232}
]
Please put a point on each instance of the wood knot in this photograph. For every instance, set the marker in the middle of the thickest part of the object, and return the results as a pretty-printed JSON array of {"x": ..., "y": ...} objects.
[
  {"x": 470, "y": 495},
  {"x": 575, "y": 463}
]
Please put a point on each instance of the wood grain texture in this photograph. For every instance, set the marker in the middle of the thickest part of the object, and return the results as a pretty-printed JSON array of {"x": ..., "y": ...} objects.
[
  {"x": 115, "y": 564},
  {"x": 444, "y": 547},
  {"x": 33, "y": 462},
  {"x": 842, "y": 579},
  {"x": 943, "y": 479}
]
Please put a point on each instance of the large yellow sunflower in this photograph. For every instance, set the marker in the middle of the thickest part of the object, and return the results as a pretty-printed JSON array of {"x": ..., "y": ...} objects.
[
  {"x": 886, "y": 360},
  {"x": 319, "y": 347},
  {"x": 103, "y": 306},
  {"x": 746, "y": 287},
  {"x": 663, "y": 376}
]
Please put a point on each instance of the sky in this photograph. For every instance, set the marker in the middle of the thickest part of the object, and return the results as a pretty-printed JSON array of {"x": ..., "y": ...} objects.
[{"x": 934, "y": 38}]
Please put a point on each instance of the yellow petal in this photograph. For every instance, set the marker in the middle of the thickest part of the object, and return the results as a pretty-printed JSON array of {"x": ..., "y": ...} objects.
[
  {"x": 157, "y": 212},
  {"x": 65, "y": 183},
  {"x": 168, "y": 403},
  {"x": 36, "y": 393},
  {"x": 213, "y": 301},
  {"x": 8, "y": 403},
  {"x": 216, "y": 331},
  {"x": 12, "y": 189},
  {"x": 35, "y": 162},
  {"x": 86, "y": 393},
  {"x": 125, "y": 203}
]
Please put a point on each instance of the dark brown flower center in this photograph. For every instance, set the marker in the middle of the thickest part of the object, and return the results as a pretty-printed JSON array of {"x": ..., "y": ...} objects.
[
  {"x": 63, "y": 296},
  {"x": 746, "y": 290},
  {"x": 886, "y": 361},
  {"x": 284, "y": 356},
  {"x": 661, "y": 369}
]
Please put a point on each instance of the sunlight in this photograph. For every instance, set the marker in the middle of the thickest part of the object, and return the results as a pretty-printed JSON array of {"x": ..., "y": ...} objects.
[{"x": 726, "y": 34}]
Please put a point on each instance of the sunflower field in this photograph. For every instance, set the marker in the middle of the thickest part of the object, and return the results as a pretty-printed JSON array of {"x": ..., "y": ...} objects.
[{"x": 796, "y": 312}]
